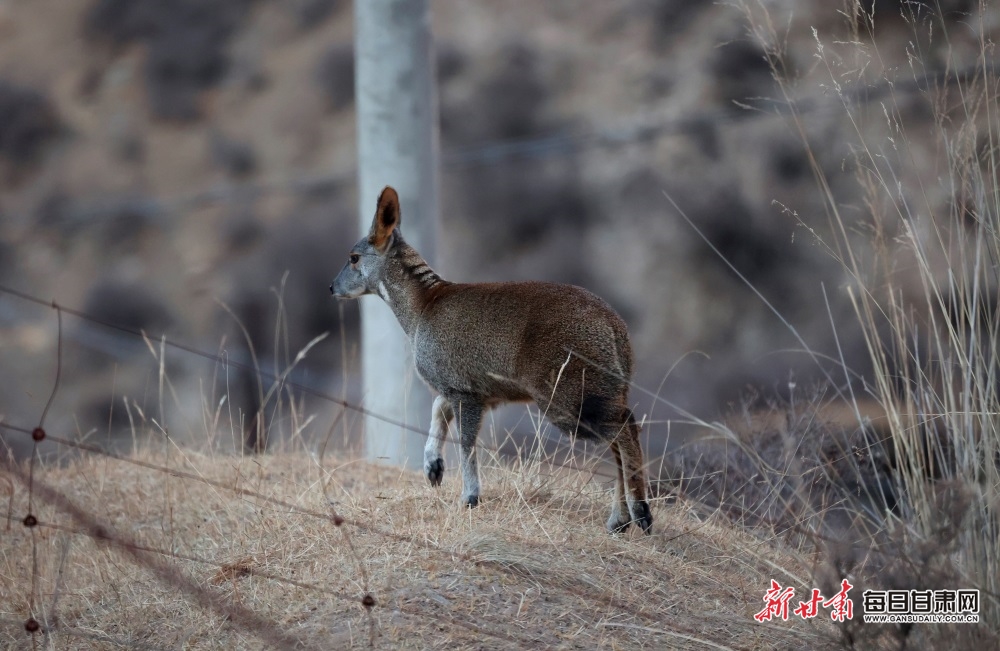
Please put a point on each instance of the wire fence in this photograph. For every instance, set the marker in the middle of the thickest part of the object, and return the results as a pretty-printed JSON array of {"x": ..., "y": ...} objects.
[
  {"x": 163, "y": 562},
  {"x": 279, "y": 381}
]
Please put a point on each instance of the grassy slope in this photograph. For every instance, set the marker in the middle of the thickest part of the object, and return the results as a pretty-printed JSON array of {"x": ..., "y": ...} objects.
[{"x": 531, "y": 567}]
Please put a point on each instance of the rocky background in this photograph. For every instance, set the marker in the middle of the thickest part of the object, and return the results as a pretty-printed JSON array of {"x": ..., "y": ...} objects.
[{"x": 172, "y": 165}]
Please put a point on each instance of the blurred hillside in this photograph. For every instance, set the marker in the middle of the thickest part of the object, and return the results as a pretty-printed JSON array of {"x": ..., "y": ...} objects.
[{"x": 168, "y": 165}]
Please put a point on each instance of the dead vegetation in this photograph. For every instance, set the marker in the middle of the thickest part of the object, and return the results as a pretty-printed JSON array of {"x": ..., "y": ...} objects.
[{"x": 531, "y": 568}]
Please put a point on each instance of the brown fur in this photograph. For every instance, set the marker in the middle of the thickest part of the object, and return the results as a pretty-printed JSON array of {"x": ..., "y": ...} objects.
[{"x": 480, "y": 345}]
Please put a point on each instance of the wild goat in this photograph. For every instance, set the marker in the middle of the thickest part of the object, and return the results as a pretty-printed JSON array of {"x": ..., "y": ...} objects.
[{"x": 483, "y": 344}]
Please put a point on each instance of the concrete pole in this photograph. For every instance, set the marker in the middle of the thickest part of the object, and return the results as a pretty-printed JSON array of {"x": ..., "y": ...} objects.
[{"x": 396, "y": 93}]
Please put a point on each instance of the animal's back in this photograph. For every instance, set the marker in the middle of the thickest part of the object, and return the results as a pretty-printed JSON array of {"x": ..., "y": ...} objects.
[{"x": 509, "y": 341}]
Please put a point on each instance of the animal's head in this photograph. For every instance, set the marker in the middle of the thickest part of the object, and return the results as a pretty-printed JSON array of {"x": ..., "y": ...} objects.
[{"x": 367, "y": 259}]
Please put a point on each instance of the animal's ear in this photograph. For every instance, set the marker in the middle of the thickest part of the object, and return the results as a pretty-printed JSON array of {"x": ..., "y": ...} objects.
[{"x": 386, "y": 219}]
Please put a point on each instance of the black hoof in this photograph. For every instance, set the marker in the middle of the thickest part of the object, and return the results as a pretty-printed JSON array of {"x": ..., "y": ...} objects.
[
  {"x": 435, "y": 472},
  {"x": 620, "y": 528},
  {"x": 472, "y": 501},
  {"x": 642, "y": 516}
]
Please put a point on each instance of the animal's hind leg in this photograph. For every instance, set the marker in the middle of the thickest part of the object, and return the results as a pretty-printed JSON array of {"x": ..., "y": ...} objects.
[
  {"x": 441, "y": 416},
  {"x": 620, "y": 518},
  {"x": 633, "y": 471},
  {"x": 470, "y": 413}
]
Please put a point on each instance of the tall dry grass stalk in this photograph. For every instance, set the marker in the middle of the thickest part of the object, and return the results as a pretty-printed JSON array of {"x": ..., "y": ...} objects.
[{"x": 923, "y": 260}]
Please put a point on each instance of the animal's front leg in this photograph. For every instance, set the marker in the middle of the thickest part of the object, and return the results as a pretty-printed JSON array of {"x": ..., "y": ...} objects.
[
  {"x": 470, "y": 413},
  {"x": 441, "y": 417}
]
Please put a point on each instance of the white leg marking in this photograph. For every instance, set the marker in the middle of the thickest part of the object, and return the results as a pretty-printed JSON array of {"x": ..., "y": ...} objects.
[{"x": 441, "y": 416}]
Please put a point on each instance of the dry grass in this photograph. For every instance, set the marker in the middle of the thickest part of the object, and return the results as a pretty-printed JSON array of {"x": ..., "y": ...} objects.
[
  {"x": 532, "y": 567},
  {"x": 920, "y": 255}
]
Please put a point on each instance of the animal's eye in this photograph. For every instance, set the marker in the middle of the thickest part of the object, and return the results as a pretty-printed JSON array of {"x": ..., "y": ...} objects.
[{"x": 355, "y": 258}]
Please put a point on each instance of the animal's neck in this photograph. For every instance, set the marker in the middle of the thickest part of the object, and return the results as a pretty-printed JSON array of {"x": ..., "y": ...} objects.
[{"x": 408, "y": 285}]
